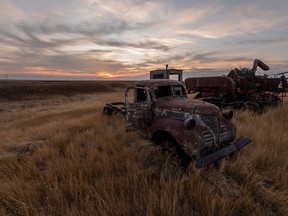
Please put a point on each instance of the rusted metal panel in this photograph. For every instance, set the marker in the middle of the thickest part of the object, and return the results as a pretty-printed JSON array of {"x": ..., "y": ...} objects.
[
  {"x": 239, "y": 87},
  {"x": 138, "y": 113},
  {"x": 189, "y": 105},
  {"x": 259, "y": 63},
  {"x": 114, "y": 107},
  {"x": 268, "y": 84},
  {"x": 165, "y": 74},
  {"x": 157, "y": 82},
  {"x": 202, "y": 162},
  {"x": 216, "y": 84}
]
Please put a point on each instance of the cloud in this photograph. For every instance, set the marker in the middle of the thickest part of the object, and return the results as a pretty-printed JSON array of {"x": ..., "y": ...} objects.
[
  {"x": 222, "y": 19},
  {"x": 73, "y": 64},
  {"x": 131, "y": 37},
  {"x": 140, "y": 45},
  {"x": 84, "y": 28},
  {"x": 140, "y": 11},
  {"x": 262, "y": 41}
]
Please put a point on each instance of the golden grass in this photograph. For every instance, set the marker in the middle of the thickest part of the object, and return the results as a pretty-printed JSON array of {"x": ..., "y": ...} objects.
[{"x": 86, "y": 164}]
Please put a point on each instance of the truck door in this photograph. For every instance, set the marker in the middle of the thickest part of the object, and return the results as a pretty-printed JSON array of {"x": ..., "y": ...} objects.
[{"x": 138, "y": 114}]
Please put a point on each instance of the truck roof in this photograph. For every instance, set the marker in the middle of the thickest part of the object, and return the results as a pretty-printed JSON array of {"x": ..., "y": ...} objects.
[{"x": 157, "y": 82}]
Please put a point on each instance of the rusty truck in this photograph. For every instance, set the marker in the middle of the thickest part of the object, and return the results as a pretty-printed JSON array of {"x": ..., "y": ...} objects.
[
  {"x": 160, "y": 111},
  {"x": 241, "y": 88}
]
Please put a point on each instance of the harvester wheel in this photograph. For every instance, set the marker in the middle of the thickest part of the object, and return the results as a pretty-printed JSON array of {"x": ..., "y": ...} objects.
[
  {"x": 251, "y": 106},
  {"x": 275, "y": 100}
]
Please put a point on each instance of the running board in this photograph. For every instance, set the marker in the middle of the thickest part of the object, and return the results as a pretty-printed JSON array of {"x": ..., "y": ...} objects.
[{"x": 240, "y": 143}]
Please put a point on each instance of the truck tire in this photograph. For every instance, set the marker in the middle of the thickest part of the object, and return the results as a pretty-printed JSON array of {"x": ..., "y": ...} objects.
[
  {"x": 170, "y": 145},
  {"x": 107, "y": 110}
]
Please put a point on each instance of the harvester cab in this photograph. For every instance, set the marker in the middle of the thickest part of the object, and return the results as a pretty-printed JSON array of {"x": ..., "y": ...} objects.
[{"x": 167, "y": 74}]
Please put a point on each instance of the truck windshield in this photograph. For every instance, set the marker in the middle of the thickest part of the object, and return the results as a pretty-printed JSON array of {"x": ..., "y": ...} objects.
[{"x": 168, "y": 90}]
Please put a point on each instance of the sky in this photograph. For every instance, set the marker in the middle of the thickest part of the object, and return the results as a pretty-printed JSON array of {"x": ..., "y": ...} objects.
[{"x": 112, "y": 39}]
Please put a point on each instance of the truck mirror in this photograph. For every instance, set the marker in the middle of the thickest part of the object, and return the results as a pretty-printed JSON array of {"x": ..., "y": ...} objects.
[{"x": 189, "y": 123}]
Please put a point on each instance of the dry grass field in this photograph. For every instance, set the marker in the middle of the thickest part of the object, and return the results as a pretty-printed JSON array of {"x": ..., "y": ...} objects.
[{"x": 60, "y": 156}]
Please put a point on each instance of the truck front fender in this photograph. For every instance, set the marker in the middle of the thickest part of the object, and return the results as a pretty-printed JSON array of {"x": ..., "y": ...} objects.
[{"x": 188, "y": 140}]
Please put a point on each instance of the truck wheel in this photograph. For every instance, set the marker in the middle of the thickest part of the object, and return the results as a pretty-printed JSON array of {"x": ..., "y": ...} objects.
[
  {"x": 168, "y": 145},
  {"x": 107, "y": 111},
  {"x": 171, "y": 146}
]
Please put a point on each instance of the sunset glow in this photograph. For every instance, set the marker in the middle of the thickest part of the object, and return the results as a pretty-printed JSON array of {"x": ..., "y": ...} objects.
[{"x": 93, "y": 39}]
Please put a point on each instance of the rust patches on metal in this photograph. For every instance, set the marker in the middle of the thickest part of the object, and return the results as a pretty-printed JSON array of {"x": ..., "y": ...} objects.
[{"x": 239, "y": 87}]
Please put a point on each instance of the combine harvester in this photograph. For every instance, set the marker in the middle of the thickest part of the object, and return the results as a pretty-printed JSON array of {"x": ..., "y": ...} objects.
[{"x": 241, "y": 88}]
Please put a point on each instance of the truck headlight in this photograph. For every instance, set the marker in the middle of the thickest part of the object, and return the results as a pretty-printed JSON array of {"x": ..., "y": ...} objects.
[
  {"x": 189, "y": 123},
  {"x": 228, "y": 115}
]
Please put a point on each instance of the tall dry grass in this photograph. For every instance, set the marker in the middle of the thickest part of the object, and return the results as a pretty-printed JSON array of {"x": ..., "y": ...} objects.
[{"x": 91, "y": 166}]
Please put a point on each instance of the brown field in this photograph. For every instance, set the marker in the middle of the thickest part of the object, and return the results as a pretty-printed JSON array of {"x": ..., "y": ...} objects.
[{"x": 60, "y": 156}]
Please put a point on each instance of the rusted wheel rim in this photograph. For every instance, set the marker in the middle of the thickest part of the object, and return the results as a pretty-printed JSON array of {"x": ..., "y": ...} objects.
[{"x": 169, "y": 146}]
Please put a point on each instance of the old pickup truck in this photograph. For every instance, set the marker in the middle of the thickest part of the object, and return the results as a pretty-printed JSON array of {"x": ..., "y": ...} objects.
[{"x": 160, "y": 111}]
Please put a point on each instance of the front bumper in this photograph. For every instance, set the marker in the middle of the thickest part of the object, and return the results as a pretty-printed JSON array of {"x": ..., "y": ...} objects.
[{"x": 240, "y": 143}]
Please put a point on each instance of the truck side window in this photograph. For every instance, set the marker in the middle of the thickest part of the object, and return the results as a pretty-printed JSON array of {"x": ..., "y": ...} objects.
[
  {"x": 178, "y": 90},
  {"x": 141, "y": 95}
]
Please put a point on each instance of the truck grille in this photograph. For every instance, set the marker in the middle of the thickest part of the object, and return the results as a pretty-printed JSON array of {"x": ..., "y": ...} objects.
[
  {"x": 223, "y": 133},
  {"x": 211, "y": 136},
  {"x": 208, "y": 139},
  {"x": 212, "y": 123}
]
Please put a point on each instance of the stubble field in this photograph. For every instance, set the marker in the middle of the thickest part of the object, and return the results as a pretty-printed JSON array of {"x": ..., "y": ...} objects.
[{"x": 60, "y": 156}]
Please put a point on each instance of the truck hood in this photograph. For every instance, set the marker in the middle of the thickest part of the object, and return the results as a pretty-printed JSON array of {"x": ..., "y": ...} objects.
[{"x": 188, "y": 105}]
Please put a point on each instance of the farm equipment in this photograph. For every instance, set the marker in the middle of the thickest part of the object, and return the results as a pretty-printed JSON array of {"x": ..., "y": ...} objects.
[
  {"x": 166, "y": 74},
  {"x": 159, "y": 110},
  {"x": 240, "y": 88},
  {"x": 284, "y": 82},
  {"x": 114, "y": 107}
]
